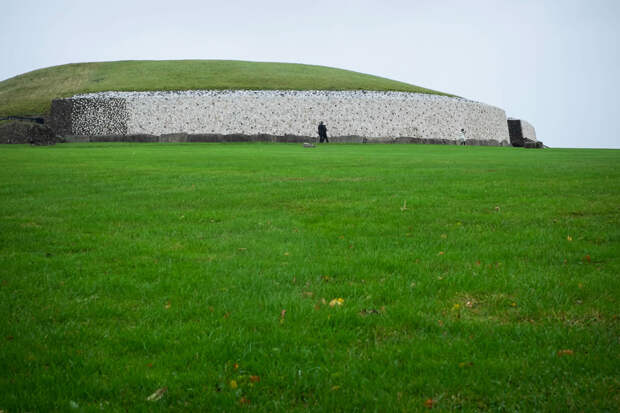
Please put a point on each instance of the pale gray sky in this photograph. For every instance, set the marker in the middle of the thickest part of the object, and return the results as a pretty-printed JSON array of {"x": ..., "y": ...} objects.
[{"x": 554, "y": 63}]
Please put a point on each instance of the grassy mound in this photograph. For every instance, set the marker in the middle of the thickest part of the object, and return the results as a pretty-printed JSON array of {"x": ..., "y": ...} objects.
[
  {"x": 455, "y": 280},
  {"x": 31, "y": 93}
]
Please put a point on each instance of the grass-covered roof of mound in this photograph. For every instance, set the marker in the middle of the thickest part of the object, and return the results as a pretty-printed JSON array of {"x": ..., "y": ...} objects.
[{"x": 31, "y": 93}]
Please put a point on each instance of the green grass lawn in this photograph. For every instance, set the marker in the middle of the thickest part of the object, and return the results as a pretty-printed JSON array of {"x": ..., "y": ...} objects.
[
  {"x": 470, "y": 278},
  {"x": 31, "y": 93}
]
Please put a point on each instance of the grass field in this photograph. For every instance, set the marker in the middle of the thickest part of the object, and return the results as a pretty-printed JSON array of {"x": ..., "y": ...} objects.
[
  {"x": 270, "y": 277},
  {"x": 31, "y": 93}
]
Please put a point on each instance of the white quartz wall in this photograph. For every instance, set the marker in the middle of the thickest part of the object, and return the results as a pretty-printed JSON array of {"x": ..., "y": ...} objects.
[
  {"x": 368, "y": 114},
  {"x": 528, "y": 130}
]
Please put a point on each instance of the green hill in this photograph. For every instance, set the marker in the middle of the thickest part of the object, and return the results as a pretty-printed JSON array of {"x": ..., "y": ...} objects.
[{"x": 31, "y": 93}]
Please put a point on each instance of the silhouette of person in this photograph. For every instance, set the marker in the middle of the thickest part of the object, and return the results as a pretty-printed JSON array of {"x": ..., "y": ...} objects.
[
  {"x": 462, "y": 137},
  {"x": 323, "y": 133}
]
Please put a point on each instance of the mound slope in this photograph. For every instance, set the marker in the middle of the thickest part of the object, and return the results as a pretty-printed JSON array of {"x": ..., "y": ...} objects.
[{"x": 31, "y": 93}]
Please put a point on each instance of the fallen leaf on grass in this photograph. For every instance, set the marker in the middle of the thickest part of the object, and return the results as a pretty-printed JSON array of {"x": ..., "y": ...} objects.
[
  {"x": 336, "y": 302},
  {"x": 429, "y": 403},
  {"x": 167, "y": 306},
  {"x": 587, "y": 258},
  {"x": 282, "y": 315},
  {"x": 569, "y": 238},
  {"x": 566, "y": 352},
  {"x": 254, "y": 379},
  {"x": 334, "y": 388},
  {"x": 159, "y": 393},
  {"x": 440, "y": 253}
]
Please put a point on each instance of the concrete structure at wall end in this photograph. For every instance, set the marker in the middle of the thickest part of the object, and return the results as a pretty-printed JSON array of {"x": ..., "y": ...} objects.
[{"x": 521, "y": 132}]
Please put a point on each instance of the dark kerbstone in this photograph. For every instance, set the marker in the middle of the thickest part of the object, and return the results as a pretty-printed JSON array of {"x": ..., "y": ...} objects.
[
  {"x": 214, "y": 138},
  {"x": 482, "y": 142},
  {"x": 174, "y": 137},
  {"x": 528, "y": 143},
  {"x": 27, "y": 132}
]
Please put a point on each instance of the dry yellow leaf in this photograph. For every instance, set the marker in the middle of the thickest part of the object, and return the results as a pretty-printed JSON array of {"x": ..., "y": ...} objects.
[{"x": 336, "y": 302}]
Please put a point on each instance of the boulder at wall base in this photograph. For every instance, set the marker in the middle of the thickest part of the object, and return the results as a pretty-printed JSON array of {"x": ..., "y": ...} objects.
[
  {"x": 27, "y": 132},
  {"x": 528, "y": 143}
]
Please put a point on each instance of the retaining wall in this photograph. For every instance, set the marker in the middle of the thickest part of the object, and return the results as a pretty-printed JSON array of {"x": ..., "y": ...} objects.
[
  {"x": 520, "y": 132},
  {"x": 350, "y": 116},
  {"x": 528, "y": 130}
]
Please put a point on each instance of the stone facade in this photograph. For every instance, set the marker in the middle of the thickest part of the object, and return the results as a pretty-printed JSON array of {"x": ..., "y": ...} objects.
[
  {"x": 521, "y": 132},
  {"x": 350, "y": 116},
  {"x": 528, "y": 131}
]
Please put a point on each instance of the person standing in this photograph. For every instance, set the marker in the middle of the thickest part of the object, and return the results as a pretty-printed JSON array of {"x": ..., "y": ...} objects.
[
  {"x": 462, "y": 137},
  {"x": 323, "y": 133}
]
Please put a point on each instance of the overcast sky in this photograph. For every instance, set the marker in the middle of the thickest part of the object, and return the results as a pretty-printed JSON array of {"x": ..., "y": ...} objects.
[{"x": 555, "y": 63}]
